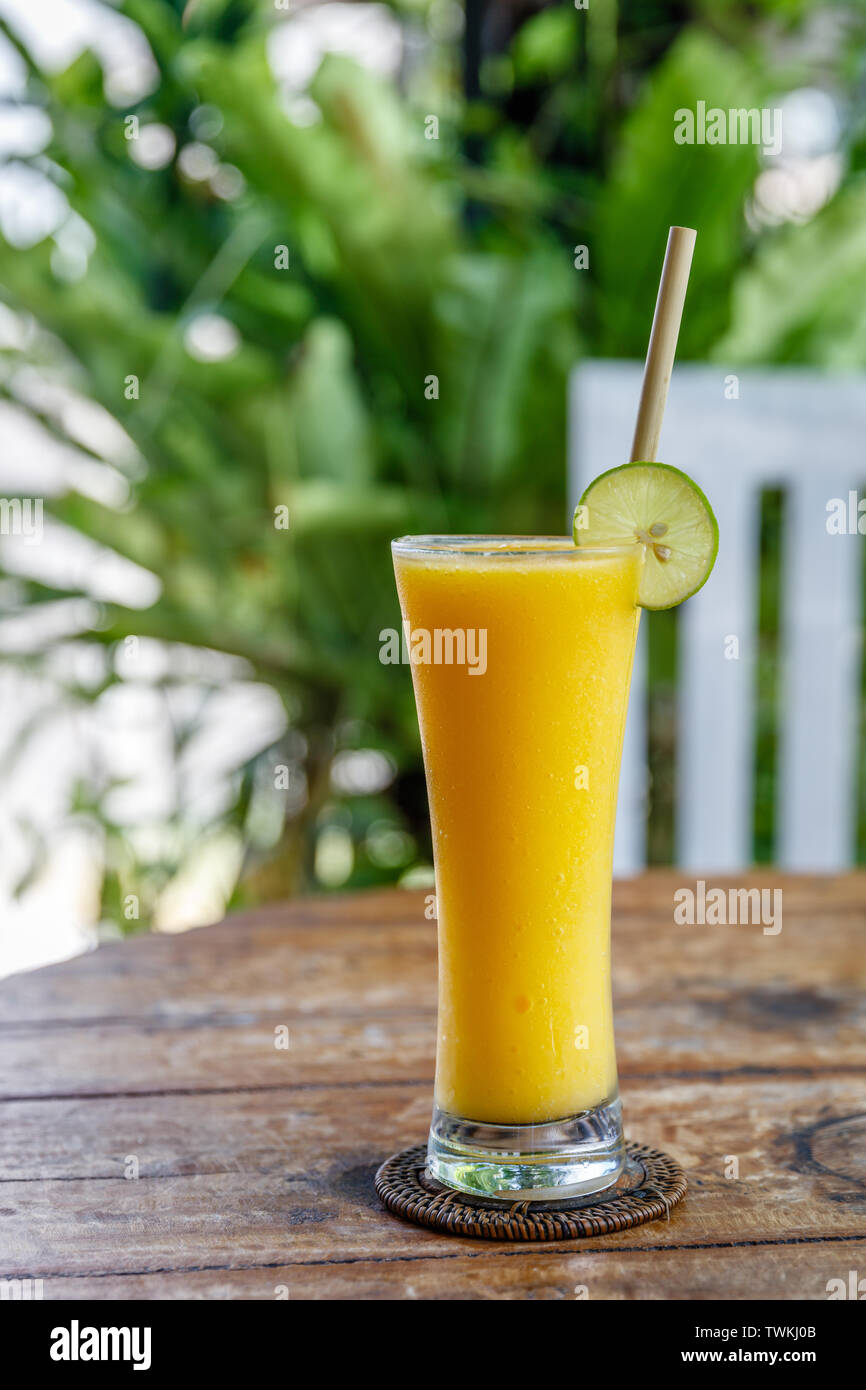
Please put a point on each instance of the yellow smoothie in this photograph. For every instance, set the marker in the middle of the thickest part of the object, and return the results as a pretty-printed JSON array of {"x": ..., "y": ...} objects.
[{"x": 522, "y": 763}]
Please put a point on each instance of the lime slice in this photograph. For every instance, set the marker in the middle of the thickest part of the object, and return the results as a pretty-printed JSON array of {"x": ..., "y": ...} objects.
[{"x": 662, "y": 507}]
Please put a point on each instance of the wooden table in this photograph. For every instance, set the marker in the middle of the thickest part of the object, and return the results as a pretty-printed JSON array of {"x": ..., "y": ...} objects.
[{"x": 157, "y": 1142}]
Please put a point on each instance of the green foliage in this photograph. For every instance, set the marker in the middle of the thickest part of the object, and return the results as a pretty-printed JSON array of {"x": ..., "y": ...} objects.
[
  {"x": 800, "y": 300},
  {"x": 654, "y": 182},
  {"x": 406, "y": 262}
]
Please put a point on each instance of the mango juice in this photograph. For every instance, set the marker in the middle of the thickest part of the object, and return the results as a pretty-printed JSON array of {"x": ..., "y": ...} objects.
[{"x": 521, "y": 753}]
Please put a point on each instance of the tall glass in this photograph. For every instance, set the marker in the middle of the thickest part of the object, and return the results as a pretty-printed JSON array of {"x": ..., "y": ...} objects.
[{"x": 521, "y": 652}]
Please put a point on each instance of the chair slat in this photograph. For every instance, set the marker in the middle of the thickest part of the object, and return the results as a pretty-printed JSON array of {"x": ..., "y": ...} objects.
[
  {"x": 800, "y": 430},
  {"x": 715, "y": 696},
  {"x": 816, "y": 803}
]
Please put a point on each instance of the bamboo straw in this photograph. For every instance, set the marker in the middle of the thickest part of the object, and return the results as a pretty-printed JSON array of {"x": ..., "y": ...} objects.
[{"x": 663, "y": 343}]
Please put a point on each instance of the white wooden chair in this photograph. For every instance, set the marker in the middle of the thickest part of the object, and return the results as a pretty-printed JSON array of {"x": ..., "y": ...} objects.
[{"x": 805, "y": 432}]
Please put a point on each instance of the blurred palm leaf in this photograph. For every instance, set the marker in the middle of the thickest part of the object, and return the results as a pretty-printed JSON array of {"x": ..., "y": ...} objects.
[{"x": 400, "y": 359}]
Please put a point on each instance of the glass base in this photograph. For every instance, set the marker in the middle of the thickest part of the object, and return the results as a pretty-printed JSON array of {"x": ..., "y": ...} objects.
[{"x": 581, "y": 1154}]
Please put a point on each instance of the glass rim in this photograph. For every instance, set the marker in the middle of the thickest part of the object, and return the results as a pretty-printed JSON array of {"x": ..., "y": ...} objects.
[{"x": 507, "y": 545}]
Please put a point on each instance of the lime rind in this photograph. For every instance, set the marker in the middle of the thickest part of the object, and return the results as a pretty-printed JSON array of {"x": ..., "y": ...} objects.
[{"x": 624, "y": 504}]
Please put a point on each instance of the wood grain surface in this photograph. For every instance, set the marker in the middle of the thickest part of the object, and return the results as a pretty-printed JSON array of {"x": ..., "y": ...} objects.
[{"x": 157, "y": 1143}]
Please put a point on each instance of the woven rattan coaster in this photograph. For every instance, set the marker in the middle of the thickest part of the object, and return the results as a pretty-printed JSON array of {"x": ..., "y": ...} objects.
[{"x": 651, "y": 1184}]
